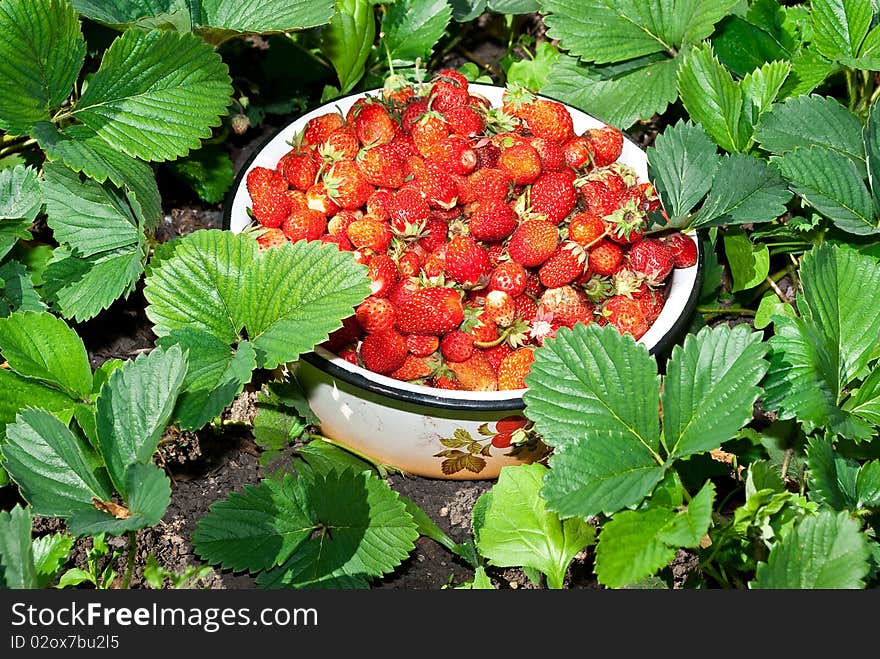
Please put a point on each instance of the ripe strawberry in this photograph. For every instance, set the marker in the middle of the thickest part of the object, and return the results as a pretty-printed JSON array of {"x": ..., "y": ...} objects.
[
  {"x": 271, "y": 208},
  {"x": 492, "y": 220},
  {"x": 304, "y": 225},
  {"x": 578, "y": 152},
  {"x": 586, "y": 229},
  {"x": 652, "y": 258},
  {"x": 349, "y": 354},
  {"x": 402, "y": 292},
  {"x": 652, "y": 305},
  {"x": 428, "y": 131},
  {"x": 626, "y": 315},
  {"x": 382, "y": 271},
  {"x": 552, "y": 156},
  {"x": 403, "y": 146},
  {"x": 415, "y": 369},
  {"x": 422, "y": 345},
  {"x": 261, "y": 180},
  {"x": 566, "y": 306},
  {"x": 517, "y": 100},
  {"x": 379, "y": 203},
  {"x": 496, "y": 354},
  {"x": 318, "y": 128},
  {"x": 435, "y": 263},
  {"x": 380, "y": 165},
  {"x": 369, "y": 233},
  {"x": 350, "y": 333},
  {"x": 467, "y": 262},
  {"x": 447, "y": 94},
  {"x": 475, "y": 373},
  {"x": 375, "y": 314},
  {"x": 430, "y": 311},
  {"x": 564, "y": 266},
  {"x": 533, "y": 242},
  {"x": 490, "y": 183},
  {"x": 373, "y": 124},
  {"x": 626, "y": 224},
  {"x": 607, "y": 144},
  {"x": 525, "y": 307},
  {"x": 487, "y": 155},
  {"x": 340, "y": 240},
  {"x": 453, "y": 76},
  {"x": 521, "y": 162},
  {"x": 499, "y": 308},
  {"x": 271, "y": 237},
  {"x": 457, "y": 346},
  {"x": 605, "y": 258},
  {"x": 554, "y": 196},
  {"x": 454, "y": 155},
  {"x": 341, "y": 144},
  {"x": 413, "y": 111},
  {"x": 338, "y": 224},
  {"x": 298, "y": 199},
  {"x": 298, "y": 169},
  {"x": 319, "y": 200},
  {"x": 510, "y": 277},
  {"x": 514, "y": 368},
  {"x": 464, "y": 120},
  {"x": 383, "y": 352},
  {"x": 598, "y": 198},
  {"x": 346, "y": 186},
  {"x": 684, "y": 249},
  {"x": 445, "y": 382},
  {"x": 550, "y": 120},
  {"x": 438, "y": 188},
  {"x": 408, "y": 211}
]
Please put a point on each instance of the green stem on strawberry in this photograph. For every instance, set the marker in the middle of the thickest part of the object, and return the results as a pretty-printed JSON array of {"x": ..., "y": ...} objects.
[
  {"x": 597, "y": 239},
  {"x": 495, "y": 342}
]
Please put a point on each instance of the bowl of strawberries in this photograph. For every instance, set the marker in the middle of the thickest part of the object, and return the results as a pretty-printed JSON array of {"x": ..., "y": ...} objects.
[{"x": 487, "y": 218}]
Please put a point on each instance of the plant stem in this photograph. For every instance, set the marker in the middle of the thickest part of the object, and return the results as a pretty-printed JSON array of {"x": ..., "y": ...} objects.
[
  {"x": 721, "y": 311},
  {"x": 772, "y": 284},
  {"x": 381, "y": 468},
  {"x": 129, "y": 567},
  {"x": 16, "y": 147}
]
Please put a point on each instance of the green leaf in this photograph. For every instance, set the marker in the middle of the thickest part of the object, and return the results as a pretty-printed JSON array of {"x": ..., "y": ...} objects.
[
  {"x": 533, "y": 73},
  {"x": 871, "y": 138},
  {"x": 216, "y": 374},
  {"x": 825, "y": 551},
  {"x": 832, "y": 184},
  {"x": 348, "y": 39},
  {"x": 17, "y": 291},
  {"x": 82, "y": 150},
  {"x": 513, "y": 6},
  {"x": 743, "y": 47},
  {"x": 44, "y": 347},
  {"x": 467, "y": 10},
  {"x": 619, "y": 100},
  {"x": 809, "y": 69},
  {"x": 714, "y": 99},
  {"x": 50, "y": 554},
  {"x": 814, "y": 359},
  {"x": 20, "y": 201},
  {"x": 55, "y": 471},
  {"x": 868, "y": 486},
  {"x": 865, "y": 403},
  {"x": 710, "y": 388},
  {"x": 807, "y": 121},
  {"x": 608, "y": 31},
  {"x": 264, "y": 16},
  {"x": 156, "y": 94},
  {"x": 16, "y": 552},
  {"x": 318, "y": 456},
  {"x": 481, "y": 581},
  {"x": 40, "y": 57},
  {"x": 516, "y": 530},
  {"x": 832, "y": 476},
  {"x": 761, "y": 86},
  {"x": 688, "y": 527},
  {"x": 287, "y": 299},
  {"x": 282, "y": 415},
  {"x": 74, "y": 577},
  {"x": 749, "y": 263},
  {"x": 20, "y": 392},
  {"x": 745, "y": 190},
  {"x": 840, "y": 26},
  {"x": 411, "y": 28},
  {"x": 208, "y": 171},
  {"x": 629, "y": 547},
  {"x": 769, "y": 306},
  {"x": 134, "y": 408},
  {"x": 682, "y": 163}
]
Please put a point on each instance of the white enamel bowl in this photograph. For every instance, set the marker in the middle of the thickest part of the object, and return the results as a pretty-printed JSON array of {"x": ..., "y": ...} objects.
[{"x": 401, "y": 424}]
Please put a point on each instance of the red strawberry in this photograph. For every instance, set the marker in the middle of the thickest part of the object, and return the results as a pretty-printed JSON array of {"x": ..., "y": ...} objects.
[
  {"x": 452, "y": 76},
  {"x": 446, "y": 95},
  {"x": 684, "y": 249},
  {"x": 626, "y": 315},
  {"x": 271, "y": 208},
  {"x": 438, "y": 188},
  {"x": 444, "y": 382},
  {"x": 379, "y": 203},
  {"x": 319, "y": 200},
  {"x": 626, "y": 224},
  {"x": 564, "y": 266},
  {"x": 525, "y": 307},
  {"x": 373, "y": 124},
  {"x": 304, "y": 225},
  {"x": 298, "y": 199},
  {"x": 422, "y": 345},
  {"x": 492, "y": 220},
  {"x": 383, "y": 352},
  {"x": 552, "y": 155},
  {"x": 578, "y": 152},
  {"x": 487, "y": 155},
  {"x": 598, "y": 198},
  {"x": 375, "y": 314},
  {"x": 464, "y": 120},
  {"x": 496, "y": 354},
  {"x": 607, "y": 144},
  {"x": 341, "y": 144},
  {"x": 550, "y": 120},
  {"x": 413, "y": 111},
  {"x": 605, "y": 257},
  {"x": 475, "y": 373},
  {"x": 484, "y": 329},
  {"x": 383, "y": 274},
  {"x": 340, "y": 240},
  {"x": 346, "y": 186},
  {"x": 415, "y": 369},
  {"x": 408, "y": 211},
  {"x": 521, "y": 162},
  {"x": 517, "y": 100},
  {"x": 435, "y": 262},
  {"x": 566, "y": 306},
  {"x": 298, "y": 169},
  {"x": 350, "y": 333},
  {"x": 457, "y": 346},
  {"x": 454, "y": 155},
  {"x": 510, "y": 277},
  {"x": 652, "y": 258},
  {"x": 318, "y": 128},
  {"x": 514, "y": 368},
  {"x": 380, "y": 165},
  {"x": 466, "y": 261},
  {"x": 271, "y": 237},
  {"x": 338, "y": 224},
  {"x": 402, "y": 292},
  {"x": 490, "y": 183},
  {"x": 430, "y": 311},
  {"x": 499, "y": 308},
  {"x": 428, "y": 131},
  {"x": 554, "y": 196},
  {"x": 533, "y": 242},
  {"x": 586, "y": 229},
  {"x": 652, "y": 305},
  {"x": 369, "y": 233},
  {"x": 261, "y": 180}
]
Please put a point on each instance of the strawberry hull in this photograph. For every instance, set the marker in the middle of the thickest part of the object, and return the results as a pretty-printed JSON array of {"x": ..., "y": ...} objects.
[{"x": 413, "y": 426}]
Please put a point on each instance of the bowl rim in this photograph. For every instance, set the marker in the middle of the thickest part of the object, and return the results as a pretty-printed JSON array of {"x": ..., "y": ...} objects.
[{"x": 325, "y": 361}]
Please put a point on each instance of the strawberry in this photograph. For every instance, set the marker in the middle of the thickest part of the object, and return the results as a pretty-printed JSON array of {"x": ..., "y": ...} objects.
[
  {"x": 346, "y": 186},
  {"x": 261, "y": 180},
  {"x": 550, "y": 120},
  {"x": 350, "y": 333},
  {"x": 402, "y": 292},
  {"x": 271, "y": 237},
  {"x": 487, "y": 155},
  {"x": 499, "y": 308},
  {"x": 379, "y": 203},
  {"x": 341, "y": 144},
  {"x": 514, "y": 368},
  {"x": 467, "y": 262},
  {"x": 448, "y": 94},
  {"x": 422, "y": 345},
  {"x": 598, "y": 198},
  {"x": 340, "y": 240},
  {"x": 298, "y": 169},
  {"x": 444, "y": 382},
  {"x": 510, "y": 277},
  {"x": 564, "y": 266},
  {"x": 475, "y": 373},
  {"x": 369, "y": 233},
  {"x": 516, "y": 100},
  {"x": 496, "y": 354},
  {"x": 626, "y": 315},
  {"x": 380, "y": 165},
  {"x": 464, "y": 120},
  {"x": 554, "y": 196},
  {"x": 566, "y": 306},
  {"x": 605, "y": 257},
  {"x": 373, "y": 124},
  {"x": 490, "y": 183},
  {"x": 408, "y": 211},
  {"x": 415, "y": 369},
  {"x": 578, "y": 152},
  {"x": 652, "y": 258},
  {"x": 383, "y": 352},
  {"x": 492, "y": 220},
  {"x": 298, "y": 199},
  {"x": 338, "y": 224},
  {"x": 521, "y": 162},
  {"x": 271, "y": 208},
  {"x": 552, "y": 156},
  {"x": 438, "y": 188},
  {"x": 319, "y": 199},
  {"x": 375, "y": 314},
  {"x": 586, "y": 229},
  {"x": 525, "y": 307},
  {"x": 318, "y": 128},
  {"x": 305, "y": 224},
  {"x": 684, "y": 249},
  {"x": 626, "y": 224},
  {"x": 607, "y": 143},
  {"x": 413, "y": 111},
  {"x": 481, "y": 326},
  {"x": 454, "y": 155},
  {"x": 435, "y": 263},
  {"x": 533, "y": 242},
  {"x": 652, "y": 305},
  {"x": 430, "y": 311},
  {"x": 382, "y": 271},
  {"x": 452, "y": 76},
  {"x": 457, "y": 346},
  {"x": 428, "y": 131}
]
